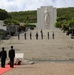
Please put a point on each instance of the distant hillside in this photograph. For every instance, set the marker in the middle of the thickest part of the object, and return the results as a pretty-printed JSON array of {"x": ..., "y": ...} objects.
[
  {"x": 65, "y": 12},
  {"x": 31, "y": 16},
  {"x": 23, "y": 16}
]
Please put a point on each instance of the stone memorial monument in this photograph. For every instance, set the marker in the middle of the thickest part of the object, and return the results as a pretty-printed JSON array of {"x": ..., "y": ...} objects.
[{"x": 46, "y": 17}]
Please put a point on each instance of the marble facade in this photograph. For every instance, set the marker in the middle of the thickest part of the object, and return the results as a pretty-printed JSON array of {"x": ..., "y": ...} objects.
[{"x": 46, "y": 17}]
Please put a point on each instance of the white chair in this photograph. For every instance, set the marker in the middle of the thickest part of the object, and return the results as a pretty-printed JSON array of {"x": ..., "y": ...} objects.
[{"x": 19, "y": 56}]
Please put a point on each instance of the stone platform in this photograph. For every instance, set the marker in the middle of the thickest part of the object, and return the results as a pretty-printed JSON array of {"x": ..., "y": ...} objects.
[{"x": 59, "y": 48}]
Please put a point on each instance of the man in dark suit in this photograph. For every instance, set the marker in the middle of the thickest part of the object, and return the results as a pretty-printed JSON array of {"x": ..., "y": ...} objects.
[
  {"x": 3, "y": 57},
  {"x": 11, "y": 56},
  {"x": 37, "y": 35},
  {"x": 18, "y": 35},
  {"x": 30, "y": 36},
  {"x": 25, "y": 35},
  {"x": 53, "y": 35},
  {"x": 48, "y": 35},
  {"x": 42, "y": 35},
  {"x": 0, "y": 54},
  {"x": 41, "y": 31}
]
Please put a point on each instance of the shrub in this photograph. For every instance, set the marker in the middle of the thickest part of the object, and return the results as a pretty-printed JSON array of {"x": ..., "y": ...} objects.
[{"x": 72, "y": 37}]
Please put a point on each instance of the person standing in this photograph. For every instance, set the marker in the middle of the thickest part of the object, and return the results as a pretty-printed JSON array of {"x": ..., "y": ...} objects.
[
  {"x": 3, "y": 57},
  {"x": 42, "y": 35},
  {"x": 25, "y": 35},
  {"x": 0, "y": 54},
  {"x": 48, "y": 35},
  {"x": 18, "y": 35},
  {"x": 11, "y": 56},
  {"x": 30, "y": 36},
  {"x": 41, "y": 31},
  {"x": 37, "y": 35},
  {"x": 53, "y": 35}
]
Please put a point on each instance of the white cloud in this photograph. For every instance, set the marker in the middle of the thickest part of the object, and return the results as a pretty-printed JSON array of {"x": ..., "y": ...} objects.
[
  {"x": 20, "y": 5},
  {"x": 64, "y": 3}
]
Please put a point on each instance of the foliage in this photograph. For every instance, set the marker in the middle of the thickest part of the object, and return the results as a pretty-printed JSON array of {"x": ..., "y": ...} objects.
[
  {"x": 58, "y": 24},
  {"x": 62, "y": 23},
  {"x": 4, "y": 14},
  {"x": 72, "y": 37},
  {"x": 11, "y": 21},
  {"x": 30, "y": 25},
  {"x": 1, "y": 33},
  {"x": 7, "y": 21},
  {"x": 15, "y": 22},
  {"x": 71, "y": 23},
  {"x": 65, "y": 18},
  {"x": 23, "y": 16},
  {"x": 66, "y": 12},
  {"x": 27, "y": 23}
]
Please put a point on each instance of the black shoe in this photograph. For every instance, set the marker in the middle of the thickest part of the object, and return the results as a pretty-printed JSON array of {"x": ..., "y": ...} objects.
[
  {"x": 11, "y": 66},
  {"x": 3, "y": 66}
]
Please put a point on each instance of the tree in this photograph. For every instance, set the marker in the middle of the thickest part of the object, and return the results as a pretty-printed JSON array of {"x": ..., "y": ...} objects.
[
  {"x": 15, "y": 22},
  {"x": 4, "y": 14},
  {"x": 71, "y": 23},
  {"x": 11, "y": 21},
  {"x": 23, "y": 16},
  {"x": 7, "y": 21},
  {"x": 58, "y": 24}
]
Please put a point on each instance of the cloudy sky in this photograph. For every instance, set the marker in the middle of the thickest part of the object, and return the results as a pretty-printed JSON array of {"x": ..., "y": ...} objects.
[{"x": 22, "y": 5}]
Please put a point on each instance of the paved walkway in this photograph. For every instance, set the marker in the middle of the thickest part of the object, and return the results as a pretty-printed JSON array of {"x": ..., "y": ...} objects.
[{"x": 44, "y": 68}]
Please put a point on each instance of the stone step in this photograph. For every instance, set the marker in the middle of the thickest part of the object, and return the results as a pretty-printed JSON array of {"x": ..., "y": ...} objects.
[{"x": 60, "y": 48}]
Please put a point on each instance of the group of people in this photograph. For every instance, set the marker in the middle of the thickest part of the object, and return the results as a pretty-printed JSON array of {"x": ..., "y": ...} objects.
[
  {"x": 3, "y": 56},
  {"x": 48, "y": 35},
  {"x": 37, "y": 35}
]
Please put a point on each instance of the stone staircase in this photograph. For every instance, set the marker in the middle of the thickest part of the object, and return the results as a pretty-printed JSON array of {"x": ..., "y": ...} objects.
[{"x": 59, "y": 48}]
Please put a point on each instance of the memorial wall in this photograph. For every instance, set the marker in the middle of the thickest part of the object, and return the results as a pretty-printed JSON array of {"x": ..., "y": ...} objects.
[{"x": 46, "y": 17}]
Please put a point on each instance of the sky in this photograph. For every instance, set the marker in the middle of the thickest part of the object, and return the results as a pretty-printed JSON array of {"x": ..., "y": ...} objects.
[{"x": 24, "y": 5}]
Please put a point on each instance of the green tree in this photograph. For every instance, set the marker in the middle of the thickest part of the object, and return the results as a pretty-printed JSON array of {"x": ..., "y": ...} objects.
[
  {"x": 71, "y": 23},
  {"x": 11, "y": 21},
  {"x": 4, "y": 14},
  {"x": 15, "y": 22},
  {"x": 23, "y": 16},
  {"x": 58, "y": 24},
  {"x": 7, "y": 21}
]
